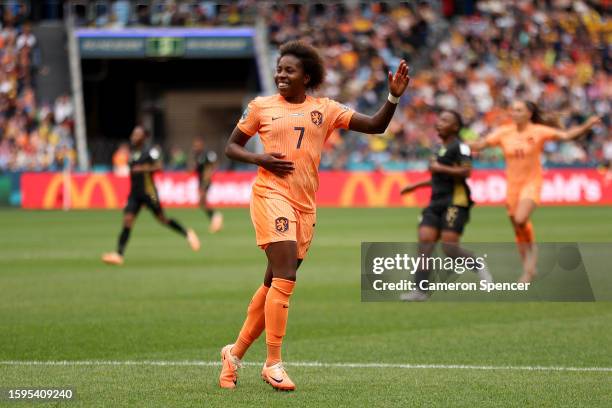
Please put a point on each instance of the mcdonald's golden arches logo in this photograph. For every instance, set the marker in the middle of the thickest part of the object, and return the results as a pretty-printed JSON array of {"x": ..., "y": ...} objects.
[
  {"x": 81, "y": 197},
  {"x": 376, "y": 195}
]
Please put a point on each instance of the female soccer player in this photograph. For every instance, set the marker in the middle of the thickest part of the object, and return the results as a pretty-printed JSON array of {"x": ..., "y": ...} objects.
[
  {"x": 144, "y": 161},
  {"x": 522, "y": 143},
  {"x": 450, "y": 203},
  {"x": 293, "y": 127}
]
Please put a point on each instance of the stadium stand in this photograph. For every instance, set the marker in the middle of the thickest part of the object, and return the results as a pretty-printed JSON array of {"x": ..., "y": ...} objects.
[
  {"x": 475, "y": 57},
  {"x": 34, "y": 135},
  {"x": 555, "y": 53}
]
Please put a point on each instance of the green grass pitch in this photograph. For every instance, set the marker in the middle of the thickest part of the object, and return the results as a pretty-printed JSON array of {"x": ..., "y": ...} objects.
[{"x": 59, "y": 302}]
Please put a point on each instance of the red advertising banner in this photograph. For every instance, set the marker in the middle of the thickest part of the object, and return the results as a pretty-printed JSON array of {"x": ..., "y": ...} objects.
[{"x": 337, "y": 189}]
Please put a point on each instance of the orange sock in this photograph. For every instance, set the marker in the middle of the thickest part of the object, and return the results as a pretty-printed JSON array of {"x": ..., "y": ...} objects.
[
  {"x": 525, "y": 234},
  {"x": 529, "y": 234},
  {"x": 277, "y": 311},
  {"x": 253, "y": 324}
]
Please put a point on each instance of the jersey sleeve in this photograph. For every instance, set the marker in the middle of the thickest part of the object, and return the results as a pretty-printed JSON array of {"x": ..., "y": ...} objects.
[
  {"x": 211, "y": 157},
  {"x": 249, "y": 122},
  {"x": 545, "y": 133},
  {"x": 464, "y": 155},
  {"x": 494, "y": 138},
  {"x": 153, "y": 155},
  {"x": 340, "y": 115}
]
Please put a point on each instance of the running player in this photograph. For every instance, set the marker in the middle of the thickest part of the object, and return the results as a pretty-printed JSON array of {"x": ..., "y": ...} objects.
[
  {"x": 144, "y": 161},
  {"x": 522, "y": 143},
  {"x": 205, "y": 163},
  {"x": 293, "y": 127},
  {"x": 449, "y": 207}
]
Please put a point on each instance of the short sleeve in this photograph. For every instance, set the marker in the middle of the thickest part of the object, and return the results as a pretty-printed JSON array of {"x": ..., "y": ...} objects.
[
  {"x": 154, "y": 154},
  {"x": 249, "y": 122},
  {"x": 464, "y": 155},
  {"x": 211, "y": 157},
  {"x": 545, "y": 133},
  {"x": 494, "y": 138},
  {"x": 340, "y": 115}
]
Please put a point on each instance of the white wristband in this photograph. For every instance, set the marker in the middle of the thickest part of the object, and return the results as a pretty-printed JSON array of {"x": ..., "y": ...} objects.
[{"x": 393, "y": 99}]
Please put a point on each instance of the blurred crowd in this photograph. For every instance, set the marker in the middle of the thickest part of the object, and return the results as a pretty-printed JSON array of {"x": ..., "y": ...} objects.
[
  {"x": 181, "y": 13},
  {"x": 472, "y": 56},
  {"x": 489, "y": 53},
  {"x": 32, "y": 136}
]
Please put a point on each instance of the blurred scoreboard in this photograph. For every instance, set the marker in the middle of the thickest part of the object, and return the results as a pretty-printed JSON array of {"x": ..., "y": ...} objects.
[{"x": 166, "y": 43}]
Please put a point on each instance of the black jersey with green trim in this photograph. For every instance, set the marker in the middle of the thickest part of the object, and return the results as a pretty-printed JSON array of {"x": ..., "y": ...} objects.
[
  {"x": 448, "y": 190},
  {"x": 204, "y": 160},
  {"x": 142, "y": 182}
]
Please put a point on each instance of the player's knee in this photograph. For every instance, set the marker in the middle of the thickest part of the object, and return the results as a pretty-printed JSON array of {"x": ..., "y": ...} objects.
[
  {"x": 162, "y": 218},
  {"x": 426, "y": 246},
  {"x": 291, "y": 275},
  {"x": 450, "y": 249},
  {"x": 286, "y": 273},
  {"x": 128, "y": 220},
  {"x": 520, "y": 221}
]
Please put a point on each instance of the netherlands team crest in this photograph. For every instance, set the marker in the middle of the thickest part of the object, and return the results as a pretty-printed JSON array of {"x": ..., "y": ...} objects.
[
  {"x": 316, "y": 117},
  {"x": 281, "y": 224}
]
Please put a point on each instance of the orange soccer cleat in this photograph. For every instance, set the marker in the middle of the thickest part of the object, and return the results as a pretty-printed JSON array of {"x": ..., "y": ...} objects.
[
  {"x": 194, "y": 241},
  {"x": 277, "y": 377},
  {"x": 216, "y": 223},
  {"x": 229, "y": 368},
  {"x": 112, "y": 258}
]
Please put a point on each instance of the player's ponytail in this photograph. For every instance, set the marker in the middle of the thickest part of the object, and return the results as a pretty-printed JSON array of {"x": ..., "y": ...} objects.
[{"x": 542, "y": 118}]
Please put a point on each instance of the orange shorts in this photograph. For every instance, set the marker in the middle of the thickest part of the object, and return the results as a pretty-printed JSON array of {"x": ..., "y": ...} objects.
[
  {"x": 515, "y": 194},
  {"x": 276, "y": 220}
]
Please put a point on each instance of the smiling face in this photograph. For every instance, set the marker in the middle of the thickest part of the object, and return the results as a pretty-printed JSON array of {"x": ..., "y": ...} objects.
[
  {"x": 289, "y": 77},
  {"x": 521, "y": 114},
  {"x": 447, "y": 125}
]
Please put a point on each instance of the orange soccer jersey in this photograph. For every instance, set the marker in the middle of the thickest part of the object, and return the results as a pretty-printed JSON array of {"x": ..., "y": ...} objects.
[
  {"x": 299, "y": 132},
  {"x": 522, "y": 151}
]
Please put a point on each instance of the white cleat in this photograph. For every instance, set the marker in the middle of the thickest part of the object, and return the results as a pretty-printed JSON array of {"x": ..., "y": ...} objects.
[
  {"x": 484, "y": 274},
  {"x": 193, "y": 240},
  {"x": 216, "y": 223},
  {"x": 414, "y": 296}
]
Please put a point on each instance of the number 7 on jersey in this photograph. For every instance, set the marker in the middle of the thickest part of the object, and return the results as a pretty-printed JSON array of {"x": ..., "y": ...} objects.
[{"x": 301, "y": 129}]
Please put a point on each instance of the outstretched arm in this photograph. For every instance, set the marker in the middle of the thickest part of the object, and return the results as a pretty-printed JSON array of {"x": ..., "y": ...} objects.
[
  {"x": 577, "y": 131},
  {"x": 415, "y": 186},
  {"x": 234, "y": 149},
  {"x": 479, "y": 144},
  {"x": 463, "y": 171},
  {"x": 380, "y": 120},
  {"x": 147, "y": 167}
]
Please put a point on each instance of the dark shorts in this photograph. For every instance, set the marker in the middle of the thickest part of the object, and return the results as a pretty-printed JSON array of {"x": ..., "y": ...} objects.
[
  {"x": 449, "y": 218},
  {"x": 136, "y": 201}
]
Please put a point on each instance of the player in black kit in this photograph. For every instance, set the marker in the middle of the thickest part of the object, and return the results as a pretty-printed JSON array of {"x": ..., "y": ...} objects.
[
  {"x": 449, "y": 207},
  {"x": 205, "y": 163},
  {"x": 144, "y": 162}
]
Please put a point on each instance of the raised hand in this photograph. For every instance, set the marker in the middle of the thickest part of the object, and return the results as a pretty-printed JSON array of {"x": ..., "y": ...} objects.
[
  {"x": 399, "y": 81},
  {"x": 273, "y": 162}
]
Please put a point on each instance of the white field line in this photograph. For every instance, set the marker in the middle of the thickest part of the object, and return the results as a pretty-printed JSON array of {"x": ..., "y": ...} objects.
[{"x": 300, "y": 364}]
